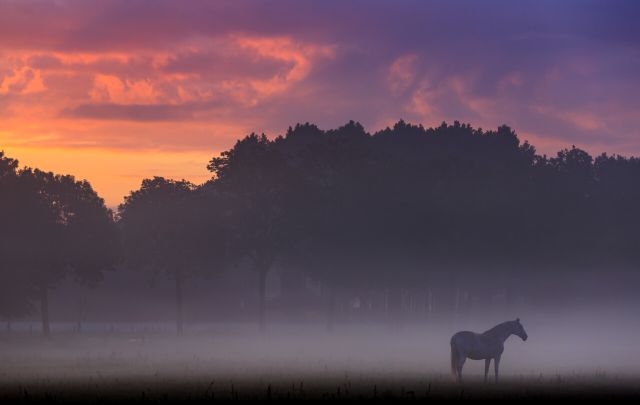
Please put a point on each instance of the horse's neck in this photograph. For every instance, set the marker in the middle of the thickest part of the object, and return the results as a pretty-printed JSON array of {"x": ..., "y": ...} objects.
[{"x": 500, "y": 332}]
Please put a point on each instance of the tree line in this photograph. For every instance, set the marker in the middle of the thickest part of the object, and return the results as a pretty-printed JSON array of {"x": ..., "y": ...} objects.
[{"x": 405, "y": 207}]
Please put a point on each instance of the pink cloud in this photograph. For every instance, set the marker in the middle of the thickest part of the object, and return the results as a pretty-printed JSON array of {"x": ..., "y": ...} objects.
[{"x": 402, "y": 73}]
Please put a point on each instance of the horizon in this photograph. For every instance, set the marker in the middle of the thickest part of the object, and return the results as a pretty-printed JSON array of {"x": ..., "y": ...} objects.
[{"x": 112, "y": 201}]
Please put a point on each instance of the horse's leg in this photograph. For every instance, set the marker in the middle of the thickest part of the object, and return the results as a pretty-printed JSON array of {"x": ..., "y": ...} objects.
[
  {"x": 486, "y": 368},
  {"x": 461, "y": 359},
  {"x": 454, "y": 363},
  {"x": 496, "y": 364}
]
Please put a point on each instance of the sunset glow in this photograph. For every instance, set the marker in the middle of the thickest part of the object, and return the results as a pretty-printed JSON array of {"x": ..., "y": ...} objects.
[{"x": 118, "y": 91}]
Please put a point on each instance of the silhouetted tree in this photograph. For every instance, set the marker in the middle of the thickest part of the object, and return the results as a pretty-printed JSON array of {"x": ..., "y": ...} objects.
[
  {"x": 162, "y": 231},
  {"x": 256, "y": 174},
  {"x": 462, "y": 211},
  {"x": 61, "y": 228},
  {"x": 16, "y": 294}
]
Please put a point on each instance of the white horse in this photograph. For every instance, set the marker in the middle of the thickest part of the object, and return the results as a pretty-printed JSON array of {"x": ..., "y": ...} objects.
[{"x": 478, "y": 346}]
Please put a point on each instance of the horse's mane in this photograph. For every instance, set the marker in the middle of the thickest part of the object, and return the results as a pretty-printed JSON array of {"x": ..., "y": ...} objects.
[{"x": 498, "y": 328}]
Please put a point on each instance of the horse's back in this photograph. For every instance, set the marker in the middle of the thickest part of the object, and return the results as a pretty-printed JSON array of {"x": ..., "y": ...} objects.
[
  {"x": 463, "y": 337},
  {"x": 475, "y": 346}
]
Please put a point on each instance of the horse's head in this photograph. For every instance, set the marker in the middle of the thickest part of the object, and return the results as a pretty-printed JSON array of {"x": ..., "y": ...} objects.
[{"x": 519, "y": 330}]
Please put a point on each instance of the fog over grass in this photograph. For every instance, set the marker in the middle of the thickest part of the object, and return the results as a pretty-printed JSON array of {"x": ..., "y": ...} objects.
[{"x": 585, "y": 341}]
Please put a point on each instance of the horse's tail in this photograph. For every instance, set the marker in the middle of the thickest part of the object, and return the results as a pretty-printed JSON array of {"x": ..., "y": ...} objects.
[{"x": 454, "y": 361}]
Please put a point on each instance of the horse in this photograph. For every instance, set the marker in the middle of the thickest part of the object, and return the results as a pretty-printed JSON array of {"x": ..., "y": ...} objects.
[{"x": 478, "y": 346}]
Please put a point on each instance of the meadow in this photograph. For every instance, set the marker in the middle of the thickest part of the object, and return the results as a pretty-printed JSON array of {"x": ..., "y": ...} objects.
[{"x": 233, "y": 362}]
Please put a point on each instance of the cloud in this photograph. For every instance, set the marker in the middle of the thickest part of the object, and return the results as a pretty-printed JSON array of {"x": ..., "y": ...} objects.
[
  {"x": 130, "y": 112},
  {"x": 22, "y": 80},
  {"x": 402, "y": 73}
]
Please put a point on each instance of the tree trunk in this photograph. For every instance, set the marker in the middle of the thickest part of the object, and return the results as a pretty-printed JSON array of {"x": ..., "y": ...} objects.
[
  {"x": 44, "y": 311},
  {"x": 179, "y": 304},
  {"x": 80, "y": 314},
  {"x": 263, "y": 297},
  {"x": 331, "y": 310},
  {"x": 394, "y": 306},
  {"x": 428, "y": 305}
]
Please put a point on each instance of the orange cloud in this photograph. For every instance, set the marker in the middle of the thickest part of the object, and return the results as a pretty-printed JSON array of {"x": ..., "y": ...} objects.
[
  {"x": 300, "y": 57},
  {"x": 112, "y": 89},
  {"x": 22, "y": 80}
]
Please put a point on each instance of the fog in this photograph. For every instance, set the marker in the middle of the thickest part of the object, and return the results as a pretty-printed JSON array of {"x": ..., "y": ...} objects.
[
  {"x": 567, "y": 343},
  {"x": 576, "y": 337}
]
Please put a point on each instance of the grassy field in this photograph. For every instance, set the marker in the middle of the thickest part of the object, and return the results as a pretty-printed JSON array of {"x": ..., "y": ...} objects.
[
  {"x": 308, "y": 387},
  {"x": 235, "y": 365}
]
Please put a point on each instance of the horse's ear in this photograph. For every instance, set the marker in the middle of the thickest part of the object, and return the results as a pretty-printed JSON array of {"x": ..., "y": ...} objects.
[{"x": 518, "y": 320}]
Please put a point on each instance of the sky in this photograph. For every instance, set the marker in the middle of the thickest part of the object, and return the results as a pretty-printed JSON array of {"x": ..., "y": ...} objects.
[{"x": 116, "y": 91}]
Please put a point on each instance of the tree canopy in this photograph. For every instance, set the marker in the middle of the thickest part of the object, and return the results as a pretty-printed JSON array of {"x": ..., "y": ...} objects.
[{"x": 406, "y": 207}]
